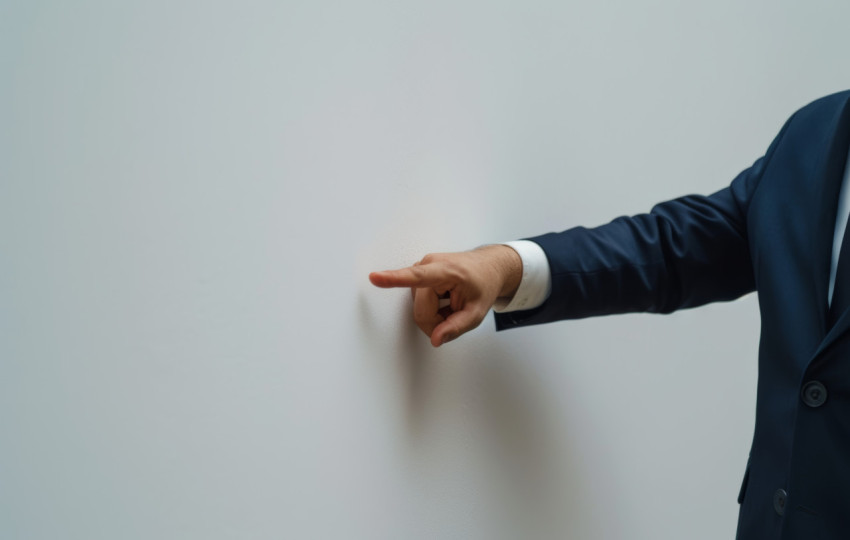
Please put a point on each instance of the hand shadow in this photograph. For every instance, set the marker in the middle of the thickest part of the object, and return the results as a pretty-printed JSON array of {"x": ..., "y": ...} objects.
[{"x": 478, "y": 400}]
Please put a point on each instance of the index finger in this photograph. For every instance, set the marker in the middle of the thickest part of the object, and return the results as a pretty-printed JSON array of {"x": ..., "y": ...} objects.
[{"x": 423, "y": 275}]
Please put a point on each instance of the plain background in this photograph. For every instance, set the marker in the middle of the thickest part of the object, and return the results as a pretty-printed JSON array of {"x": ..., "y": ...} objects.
[{"x": 193, "y": 193}]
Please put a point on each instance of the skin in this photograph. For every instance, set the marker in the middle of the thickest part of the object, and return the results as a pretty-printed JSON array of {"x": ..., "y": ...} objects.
[{"x": 471, "y": 280}]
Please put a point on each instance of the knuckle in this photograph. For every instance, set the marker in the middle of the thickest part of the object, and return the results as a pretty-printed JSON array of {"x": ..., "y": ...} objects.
[
  {"x": 422, "y": 310},
  {"x": 457, "y": 272},
  {"x": 419, "y": 315},
  {"x": 424, "y": 327}
]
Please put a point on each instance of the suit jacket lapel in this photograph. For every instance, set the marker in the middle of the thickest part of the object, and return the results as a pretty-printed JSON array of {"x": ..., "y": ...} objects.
[{"x": 828, "y": 179}]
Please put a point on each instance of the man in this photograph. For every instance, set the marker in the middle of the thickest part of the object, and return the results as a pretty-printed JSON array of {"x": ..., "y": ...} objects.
[{"x": 778, "y": 229}]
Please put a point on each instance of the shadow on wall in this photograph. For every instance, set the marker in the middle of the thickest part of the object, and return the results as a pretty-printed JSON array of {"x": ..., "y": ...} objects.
[{"x": 482, "y": 434}]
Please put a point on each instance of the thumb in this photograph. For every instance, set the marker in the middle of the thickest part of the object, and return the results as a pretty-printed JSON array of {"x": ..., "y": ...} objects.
[{"x": 456, "y": 324}]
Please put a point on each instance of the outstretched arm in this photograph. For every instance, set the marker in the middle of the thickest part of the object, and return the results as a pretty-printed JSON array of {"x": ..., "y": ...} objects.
[{"x": 683, "y": 253}]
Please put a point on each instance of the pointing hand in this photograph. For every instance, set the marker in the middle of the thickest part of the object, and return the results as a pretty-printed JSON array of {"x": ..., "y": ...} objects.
[{"x": 452, "y": 292}]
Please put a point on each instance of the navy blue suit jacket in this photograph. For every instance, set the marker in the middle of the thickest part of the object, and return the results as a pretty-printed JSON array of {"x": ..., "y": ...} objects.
[{"x": 770, "y": 231}]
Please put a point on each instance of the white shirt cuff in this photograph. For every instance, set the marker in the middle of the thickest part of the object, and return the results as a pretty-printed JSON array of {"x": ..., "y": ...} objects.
[{"x": 536, "y": 282}]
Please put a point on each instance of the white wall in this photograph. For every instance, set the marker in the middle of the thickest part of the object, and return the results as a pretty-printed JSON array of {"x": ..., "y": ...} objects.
[{"x": 192, "y": 195}]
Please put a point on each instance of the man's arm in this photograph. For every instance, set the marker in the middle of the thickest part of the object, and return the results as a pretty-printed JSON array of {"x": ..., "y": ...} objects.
[{"x": 684, "y": 253}]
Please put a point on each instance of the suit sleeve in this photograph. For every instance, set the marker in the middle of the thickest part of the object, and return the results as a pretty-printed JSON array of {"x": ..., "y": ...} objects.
[{"x": 684, "y": 253}]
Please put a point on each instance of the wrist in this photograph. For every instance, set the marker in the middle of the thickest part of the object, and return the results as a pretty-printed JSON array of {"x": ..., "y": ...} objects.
[{"x": 507, "y": 265}]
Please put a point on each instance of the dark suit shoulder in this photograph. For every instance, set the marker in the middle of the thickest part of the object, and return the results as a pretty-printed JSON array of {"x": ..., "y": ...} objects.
[
  {"x": 832, "y": 100},
  {"x": 822, "y": 109}
]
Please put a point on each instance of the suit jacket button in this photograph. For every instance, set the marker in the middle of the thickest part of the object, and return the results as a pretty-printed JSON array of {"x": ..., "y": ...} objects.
[
  {"x": 813, "y": 394},
  {"x": 779, "y": 497}
]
